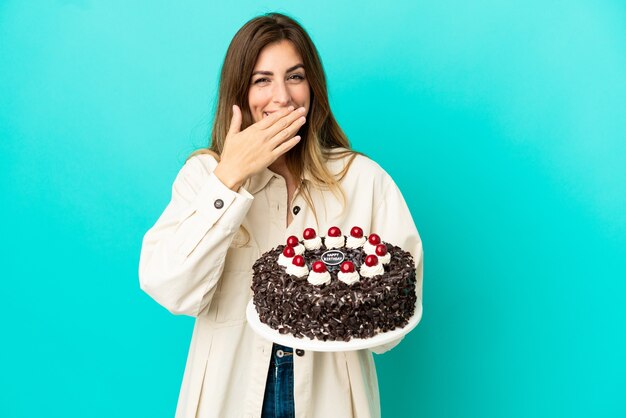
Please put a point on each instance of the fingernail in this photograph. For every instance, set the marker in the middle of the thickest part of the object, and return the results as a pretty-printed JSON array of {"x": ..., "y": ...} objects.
[
  {"x": 291, "y": 108},
  {"x": 302, "y": 110}
]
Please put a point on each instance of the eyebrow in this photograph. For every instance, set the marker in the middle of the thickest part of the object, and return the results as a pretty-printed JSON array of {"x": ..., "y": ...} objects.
[{"x": 271, "y": 73}]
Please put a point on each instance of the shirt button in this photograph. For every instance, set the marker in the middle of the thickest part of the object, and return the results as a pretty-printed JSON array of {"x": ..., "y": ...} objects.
[
  {"x": 299, "y": 352},
  {"x": 219, "y": 203},
  {"x": 296, "y": 209}
]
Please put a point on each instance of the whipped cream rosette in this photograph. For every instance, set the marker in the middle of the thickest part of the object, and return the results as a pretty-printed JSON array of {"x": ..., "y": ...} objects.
[
  {"x": 286, "y": 257},
  {"x": 311, "y": 241},
  {"x": 356, "y": 238},
  {"x": 319, "y": 275},
  {"x": 383, "y": 256},
  {"x": 334, "y": 239},
  {"x": 293, "y": 241},
  {"x": 298, "y": 267},
  {"x": 370, "y": 245},
  {"x": 348, "y": 274},
  {"x": 371, "y": 267}
]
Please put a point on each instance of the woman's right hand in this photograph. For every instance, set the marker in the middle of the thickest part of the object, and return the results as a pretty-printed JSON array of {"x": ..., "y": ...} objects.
[{"x": 249, "y": 151}]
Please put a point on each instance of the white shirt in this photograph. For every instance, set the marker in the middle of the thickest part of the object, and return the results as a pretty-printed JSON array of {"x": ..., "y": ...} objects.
[{"x": 191, "y": 264}]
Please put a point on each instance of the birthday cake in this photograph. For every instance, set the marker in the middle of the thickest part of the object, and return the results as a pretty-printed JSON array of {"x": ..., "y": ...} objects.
[{"x": 336, "y": 287}]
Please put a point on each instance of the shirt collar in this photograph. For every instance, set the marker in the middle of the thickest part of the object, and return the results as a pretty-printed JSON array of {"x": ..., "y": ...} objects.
[{"x": 258, "y": 181}]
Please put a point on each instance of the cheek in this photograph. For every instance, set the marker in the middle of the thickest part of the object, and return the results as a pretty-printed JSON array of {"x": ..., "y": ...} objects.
[
  {"x": 304, "y": 95},
  {"x": 257, "y": 98}
]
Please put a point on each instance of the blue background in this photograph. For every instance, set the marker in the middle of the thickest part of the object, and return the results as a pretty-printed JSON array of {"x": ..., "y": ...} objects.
[{"x": 502, "y": 122}]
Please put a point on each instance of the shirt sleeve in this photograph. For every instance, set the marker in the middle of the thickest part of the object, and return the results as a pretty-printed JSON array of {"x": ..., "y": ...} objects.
[
  {"x": 182, "y": 255},
  {"x": 393, "y": 221}
]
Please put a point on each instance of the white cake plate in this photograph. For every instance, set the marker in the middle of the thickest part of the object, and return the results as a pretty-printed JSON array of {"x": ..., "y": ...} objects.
[{"x": 306, "y": 343}]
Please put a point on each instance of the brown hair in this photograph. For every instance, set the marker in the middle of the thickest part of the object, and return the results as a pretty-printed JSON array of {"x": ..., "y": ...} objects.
[{"x": 321, "y": 135}]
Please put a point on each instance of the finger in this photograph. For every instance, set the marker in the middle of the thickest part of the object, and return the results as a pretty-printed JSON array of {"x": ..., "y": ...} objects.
[
  {"x": 286, "y": 146},
  {"x": 286, "y": 132},
  {"x": 294, "y": 119},
  {"x": 282, "y": 136},
  {"x": 273, "y": 117},
  {"x": 235, "y": 121}
]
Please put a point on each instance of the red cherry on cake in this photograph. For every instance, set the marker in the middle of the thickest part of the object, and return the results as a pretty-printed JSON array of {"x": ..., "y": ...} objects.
[
  {"x": 381, "y": 250},
  {"x": 374, "y": 239},
  {"x": 356, "y": 232},
  {"x": 309, "y": 233},
  {"x": 319, "y": 267},
  {"x": 293, "y": 241},
  {"x": 371, "y": 260},
  {"x": 334, "y": 232},
  {"x": 347, "y": 267},
  {"x": 298, "y": 261},
  {"x": 289, "y": 251}
]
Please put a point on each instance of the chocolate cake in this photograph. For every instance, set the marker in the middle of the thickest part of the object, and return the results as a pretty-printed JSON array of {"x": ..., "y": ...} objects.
[{"x": 334, "y": 288}]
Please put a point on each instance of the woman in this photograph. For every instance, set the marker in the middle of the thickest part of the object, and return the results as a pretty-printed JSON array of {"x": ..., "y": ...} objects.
[{"x": 278, "y": 163}]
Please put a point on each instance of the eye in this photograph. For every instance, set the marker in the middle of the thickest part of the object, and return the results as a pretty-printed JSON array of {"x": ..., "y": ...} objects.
[
  {"x": 298, "y": 76},
  {"x": 260, "y": 80}
]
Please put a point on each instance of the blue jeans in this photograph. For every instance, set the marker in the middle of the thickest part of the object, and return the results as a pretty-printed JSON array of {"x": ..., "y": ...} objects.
[{"x": 278, "y": 400}]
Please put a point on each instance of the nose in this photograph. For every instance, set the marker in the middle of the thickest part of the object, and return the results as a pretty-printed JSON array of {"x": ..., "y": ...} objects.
[{"x": 281, "y": 94}]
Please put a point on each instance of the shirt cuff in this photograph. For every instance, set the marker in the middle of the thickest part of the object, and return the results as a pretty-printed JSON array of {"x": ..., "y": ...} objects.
[{"x": 215, "y": 202}]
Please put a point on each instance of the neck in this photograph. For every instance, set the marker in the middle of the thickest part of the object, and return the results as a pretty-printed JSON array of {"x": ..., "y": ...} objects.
[{"x": 280, "y": 167}]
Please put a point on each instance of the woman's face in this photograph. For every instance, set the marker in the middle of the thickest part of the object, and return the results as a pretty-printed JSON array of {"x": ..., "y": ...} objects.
[{"x": 278, "y": 81}]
